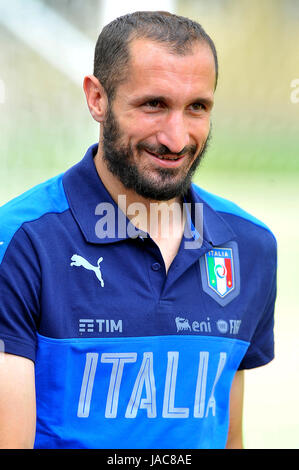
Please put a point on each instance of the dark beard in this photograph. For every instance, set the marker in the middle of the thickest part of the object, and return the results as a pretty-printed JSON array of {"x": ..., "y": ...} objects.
[{"x": 118, "y": 160}]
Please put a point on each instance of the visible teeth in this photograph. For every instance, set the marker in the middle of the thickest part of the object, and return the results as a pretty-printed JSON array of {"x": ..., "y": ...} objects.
[
  {"x": 165, "y": 158},
  {"x": 171, "y": 159}
]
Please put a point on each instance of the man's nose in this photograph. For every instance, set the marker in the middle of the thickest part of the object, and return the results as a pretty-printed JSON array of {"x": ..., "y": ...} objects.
[{"x": 174, "y": 133}]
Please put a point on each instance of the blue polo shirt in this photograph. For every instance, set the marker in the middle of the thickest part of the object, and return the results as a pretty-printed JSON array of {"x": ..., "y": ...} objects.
[{"x": 127, "y": 356}]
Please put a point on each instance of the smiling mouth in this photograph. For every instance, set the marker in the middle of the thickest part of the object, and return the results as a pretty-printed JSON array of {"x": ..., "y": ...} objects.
[{"x": 171, "y": 158}]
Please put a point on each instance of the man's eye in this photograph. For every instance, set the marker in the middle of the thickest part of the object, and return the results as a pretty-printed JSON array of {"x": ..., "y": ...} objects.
[
  {"x": 153, "y": 103},
  {"x": 197, "y": 106}
]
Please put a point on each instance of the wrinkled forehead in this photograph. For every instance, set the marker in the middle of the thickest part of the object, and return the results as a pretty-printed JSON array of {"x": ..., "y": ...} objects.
[
  {"x": 145, "y": 54},
  {"x": 153, "y": 66}
]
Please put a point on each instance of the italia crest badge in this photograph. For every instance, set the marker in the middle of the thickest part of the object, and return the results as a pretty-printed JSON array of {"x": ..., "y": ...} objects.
[{"x": 220, "y": 273}]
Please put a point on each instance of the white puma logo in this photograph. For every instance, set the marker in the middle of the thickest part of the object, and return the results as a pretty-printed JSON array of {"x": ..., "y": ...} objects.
[{"x": 80, "y": 261}]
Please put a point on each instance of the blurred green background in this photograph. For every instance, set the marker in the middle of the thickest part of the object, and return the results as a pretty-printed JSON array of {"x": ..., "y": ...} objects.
[{"x": 45, "y": 127}]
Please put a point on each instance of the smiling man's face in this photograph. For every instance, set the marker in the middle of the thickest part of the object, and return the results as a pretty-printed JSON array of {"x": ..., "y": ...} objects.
[{"x": 157, "y": 128}]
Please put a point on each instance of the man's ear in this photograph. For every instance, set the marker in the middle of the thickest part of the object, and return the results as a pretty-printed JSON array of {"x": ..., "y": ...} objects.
[{"x": 96, "y": 97}]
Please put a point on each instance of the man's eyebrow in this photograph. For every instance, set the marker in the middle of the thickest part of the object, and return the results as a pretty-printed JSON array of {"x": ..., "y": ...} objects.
[
  {"x": 204, "y": 100},
  {"x": 147, "y": 98}
]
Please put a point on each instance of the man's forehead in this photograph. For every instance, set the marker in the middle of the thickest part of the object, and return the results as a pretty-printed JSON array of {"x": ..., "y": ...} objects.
[
  {"x": 153, "y": 55},
  {"x": 156, "y": 62}
]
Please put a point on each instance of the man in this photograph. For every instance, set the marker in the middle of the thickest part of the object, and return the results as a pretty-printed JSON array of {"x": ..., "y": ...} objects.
[{"x": 116, "y": 335}]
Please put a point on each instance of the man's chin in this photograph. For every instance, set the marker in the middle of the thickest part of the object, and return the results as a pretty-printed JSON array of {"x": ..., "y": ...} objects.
[{"x": 162, "y": 191}]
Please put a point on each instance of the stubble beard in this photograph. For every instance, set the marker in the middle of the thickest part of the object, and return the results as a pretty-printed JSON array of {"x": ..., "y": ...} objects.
[{"x": 164, "y": 184}]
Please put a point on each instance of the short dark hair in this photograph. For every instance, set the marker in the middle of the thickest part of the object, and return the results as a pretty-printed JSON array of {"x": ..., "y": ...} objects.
[{"x": 111, "y": 56}]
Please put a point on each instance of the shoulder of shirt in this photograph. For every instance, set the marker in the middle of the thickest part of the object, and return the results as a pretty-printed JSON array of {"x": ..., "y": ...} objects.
[
  {"x": 44, "y": 198},
  {"x": 225, "y": 206}
]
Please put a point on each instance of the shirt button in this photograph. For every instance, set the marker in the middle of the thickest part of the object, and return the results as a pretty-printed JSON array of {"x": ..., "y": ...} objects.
[{"x": 156, "y": 266}]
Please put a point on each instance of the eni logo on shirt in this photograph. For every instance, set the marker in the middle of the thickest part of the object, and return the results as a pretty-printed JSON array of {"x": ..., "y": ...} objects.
[
  {"x": 182, "y": 324},
  {"x": 78, "y": 260}
]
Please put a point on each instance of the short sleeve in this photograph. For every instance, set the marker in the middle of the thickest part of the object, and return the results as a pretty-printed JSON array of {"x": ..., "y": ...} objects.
[
  {"x": 261, "y": 349},
  {"x": 19, "y": 296}
]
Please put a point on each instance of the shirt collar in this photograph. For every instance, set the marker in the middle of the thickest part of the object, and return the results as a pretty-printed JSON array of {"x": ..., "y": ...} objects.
[
  {"x": 93, "y": 209},
  {"x": 206, "y": 223}
]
